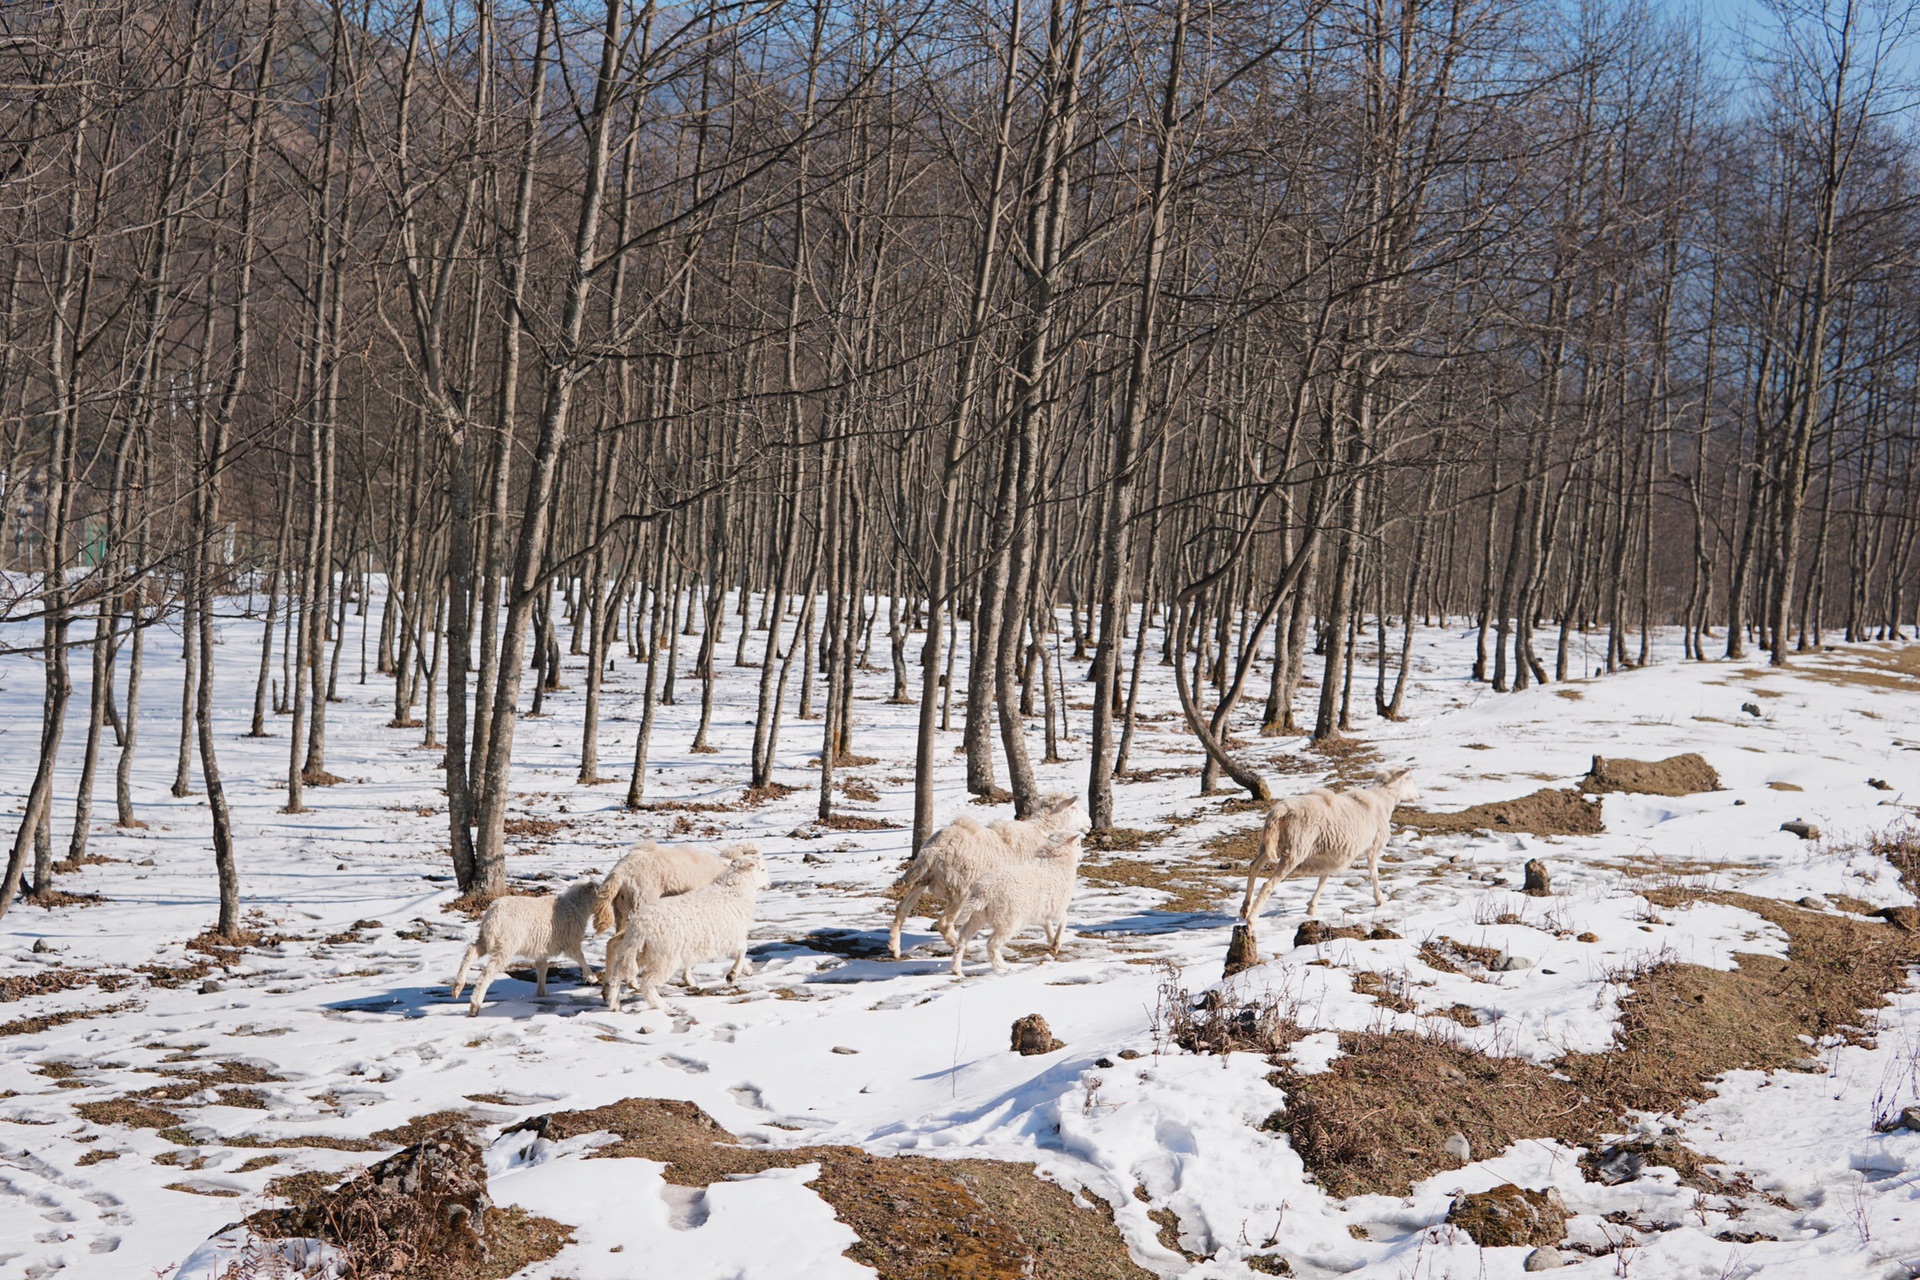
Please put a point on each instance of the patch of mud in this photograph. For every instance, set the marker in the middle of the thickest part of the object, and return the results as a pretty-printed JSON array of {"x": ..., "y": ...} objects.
[{"x": 1682, "y": 775}]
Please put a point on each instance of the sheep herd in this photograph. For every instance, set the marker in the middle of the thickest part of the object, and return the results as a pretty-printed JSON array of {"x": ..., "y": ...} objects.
[{"x": 671, "y": 907}]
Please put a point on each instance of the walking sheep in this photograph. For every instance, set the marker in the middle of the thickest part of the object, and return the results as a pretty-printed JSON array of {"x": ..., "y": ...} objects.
[
  {"x": 663, "y": 938},
  {"x": 1016, "y": 897},
  {"x": 655, "y": 871},
  {"x": 1322, "y": 833},
  {"x": 536, "y": 928},
  {"x": 960, "y": 852}
]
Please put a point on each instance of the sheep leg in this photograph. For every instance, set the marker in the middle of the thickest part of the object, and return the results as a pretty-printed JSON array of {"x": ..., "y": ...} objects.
[
  {"x": 1266, "y": 891},
  {"x": 1055, "y": 932},
  {"x": 494, "y": 968},
  {"x": 1247, "y": 908},
  {"x": 900, "y": 914},
  {"x": 962, "y": 936},
  {"x": 1313, "y": 903},
  {"x": 996, "y": 955},
  {"x": 586, "y": 970},
  {"x": 652, "y": 993},
  {"x": 460, "y": 978},
  {"x": 739, "y": 967},
  {"x": 1373, "y": 865},
  {"x": 540, "y": 976}
]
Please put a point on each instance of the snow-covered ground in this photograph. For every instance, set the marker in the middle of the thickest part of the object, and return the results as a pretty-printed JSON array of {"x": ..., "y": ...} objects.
[{"x": 821, "y": 1046}]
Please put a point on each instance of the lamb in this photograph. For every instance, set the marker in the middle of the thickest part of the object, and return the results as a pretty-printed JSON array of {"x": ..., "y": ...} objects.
[
  {"x": 960, "y": 852},
  {"x": 537, "y": 928},
  {"x": 1321, "y": 833},
  {"x": 655, "y": 871},
  {"x": 663, "y": 938},
  {"x": 1011, "y": 898}
]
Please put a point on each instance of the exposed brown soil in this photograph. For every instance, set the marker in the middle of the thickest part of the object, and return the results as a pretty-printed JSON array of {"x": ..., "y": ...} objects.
[
  {"x": 46, "y": 1021},
  {"x": 61, "y": 898},
  {"x": 918, "y": 1218},
  {"x": 1682, "y": 775},
  {"x": 1549, "y": 812},
  {"x": 854, "y": 822},
  {"x": 534, "y": 828},
  {"x": 1189, "y": 886},
  {"x": 754, "y": 796},
  {"x": 1377, "y": 1123},
  {"x": 44, "y": 982}
]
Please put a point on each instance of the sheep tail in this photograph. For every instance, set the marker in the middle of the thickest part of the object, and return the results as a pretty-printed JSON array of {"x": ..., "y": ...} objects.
[
  {"x": 1268, "y": 854},
  {"x": 603, "y": 904}
]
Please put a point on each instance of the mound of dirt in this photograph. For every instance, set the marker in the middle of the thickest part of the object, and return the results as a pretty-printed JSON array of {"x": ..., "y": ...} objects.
[
  {"x": 1682, "y": 775},
  {"x": 1548, "y": 812},
  {"x": 918, "y": 1218}
]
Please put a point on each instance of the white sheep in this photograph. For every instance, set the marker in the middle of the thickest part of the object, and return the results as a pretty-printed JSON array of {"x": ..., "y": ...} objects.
[
  {"x": 655, "y": 871},
  {"x": 960, "y": 852},
  {"x": 1015, "y": 897},
  {"x": 666, "y": 937},
  {"x": 1323, "y": 833},
  {"x": 535, "y": 928}
]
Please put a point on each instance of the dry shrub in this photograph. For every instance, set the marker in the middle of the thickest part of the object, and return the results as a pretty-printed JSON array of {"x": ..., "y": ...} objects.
[
  {"x": 917, "y": 1218},
  {"x": 421, "y": 1214},
  {"x": 534, "y": 828},
  {"x": 1378, "y": 1121},
  {"x": 1681, "y": 775},
  {"x": 1548, "y": 812},
  {"x": 1225, "y": 1019},
  {"x": 46, "y": 1021},
  {"x": 1900, "y": 845}
]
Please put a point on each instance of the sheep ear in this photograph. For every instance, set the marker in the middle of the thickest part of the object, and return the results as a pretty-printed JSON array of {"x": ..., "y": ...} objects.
[{"x": 1062, "y": 803}]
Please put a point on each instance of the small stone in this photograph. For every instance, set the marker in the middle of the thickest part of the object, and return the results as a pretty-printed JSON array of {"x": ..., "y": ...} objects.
[
  {"x": 145, "y": 862},
  {"x": 1812, "y": 903},
  {"x": 1544, "y": 1259},
  {"x": 1129, "y": 1054},
  {"x": 340, "y": 866},
  {"x": 1103, "y": 1063},
  {"x": 1738, "y": 803},
  {"x": 40, "y": 946},
  {"x": 1031, "y": 1036},
  {"x": 840, "y": 1048},
  {"x": 1243, "y": 952},
  {"x": 1751, "y": 708},
  {"x": 1910, "y": 1119},
  {"x": 1458, "y": 1148},
  {"x": 814, "y": 860},
  {"x": 1879, "y": 784},
  {"x": 1805, "y": 830},
  {"x": 1537, "y": 885},
  {"x": 1509, "y": 962},
  {"x": 211, "y": 987},
  {"x": 1586, "y": 937}
]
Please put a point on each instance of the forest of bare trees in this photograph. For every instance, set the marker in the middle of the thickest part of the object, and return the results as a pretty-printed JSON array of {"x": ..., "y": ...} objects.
[{"x": 1240, "y": 336}]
